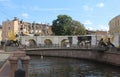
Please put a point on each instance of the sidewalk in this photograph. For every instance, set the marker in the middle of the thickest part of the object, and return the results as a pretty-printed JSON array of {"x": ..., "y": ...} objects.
[
  {"x": 2, "y": 50},
  {"x": 4, "y": 72},
  {"x": 4, "y": 64}
]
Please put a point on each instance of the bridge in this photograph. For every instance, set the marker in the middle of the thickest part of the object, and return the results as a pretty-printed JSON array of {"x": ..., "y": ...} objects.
[{"x": 64, "y": 40}]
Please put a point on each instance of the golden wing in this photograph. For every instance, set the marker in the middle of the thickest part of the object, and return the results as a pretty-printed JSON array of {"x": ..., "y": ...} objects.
[
  {"x": 105, "y": 39},
  {"x": 11, "y": 36},
  {"x": 111, "y": 38}
]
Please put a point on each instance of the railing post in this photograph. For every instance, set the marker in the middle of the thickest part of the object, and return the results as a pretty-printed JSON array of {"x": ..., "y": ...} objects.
[
  {"x": 20, "y": 72},
  {"x": 14, "y": 63},
  {"x": 25, "y": 62}
]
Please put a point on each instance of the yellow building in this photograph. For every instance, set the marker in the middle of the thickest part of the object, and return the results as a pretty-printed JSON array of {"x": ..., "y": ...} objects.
[
  {"x": 114, "y": 25},
  {"x": 0, "y": 33},
  {"x": 8, "y": 26},
  {"x": 22, "y": 28}
]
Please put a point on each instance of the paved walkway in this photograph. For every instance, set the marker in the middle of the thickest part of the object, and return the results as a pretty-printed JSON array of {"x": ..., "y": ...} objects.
[
  {"x": 4, "y": 64},
  {"x": 2, "y": 50},
  {"x": 5, "y": 70},
  {"x": 4, "y": 56}
]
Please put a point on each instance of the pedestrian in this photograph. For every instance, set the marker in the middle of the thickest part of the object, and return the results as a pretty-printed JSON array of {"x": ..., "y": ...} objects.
[
  {"x": 26, "y": 43},
  {"x": 2, "y": 44}
]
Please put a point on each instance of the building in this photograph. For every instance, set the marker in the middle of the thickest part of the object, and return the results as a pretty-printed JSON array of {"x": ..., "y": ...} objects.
[
  {"x": 114, "y": 25},
  {"x": 97, "y": 32},
  {"x": 36, "y": 29},
  {"x": 0, "y": 33},
  {"x": 22, "y": 28},
  {"x": 8, "y": 26},
  {"x": 90, "y": 32}
]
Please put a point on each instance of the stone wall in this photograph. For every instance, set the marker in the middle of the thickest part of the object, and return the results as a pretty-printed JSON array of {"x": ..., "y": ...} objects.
[{"x": 110, "y": 56}]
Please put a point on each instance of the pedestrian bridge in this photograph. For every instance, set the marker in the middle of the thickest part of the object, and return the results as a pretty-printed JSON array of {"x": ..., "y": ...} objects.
[
  {"x": 111, "y": 56},
  {"x": 92, "y": 40}
]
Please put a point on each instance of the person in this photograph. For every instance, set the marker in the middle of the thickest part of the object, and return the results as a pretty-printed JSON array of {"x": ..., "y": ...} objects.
[
  {"x": 16, "y": 43},
  {"x": 68, "y": 45},
  {"x": 26, "y": 43},
  {"x": 2, "y": 44}
]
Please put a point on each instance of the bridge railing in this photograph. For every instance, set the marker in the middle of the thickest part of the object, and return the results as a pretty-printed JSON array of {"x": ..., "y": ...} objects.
[{"x": 61, "y": 46}]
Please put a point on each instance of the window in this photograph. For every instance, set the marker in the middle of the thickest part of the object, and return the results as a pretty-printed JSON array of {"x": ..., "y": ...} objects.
[
  {"x": 118, "y": 22},
  {"x": 8, "y": 28},
  {"x": 115, "y": 22}
]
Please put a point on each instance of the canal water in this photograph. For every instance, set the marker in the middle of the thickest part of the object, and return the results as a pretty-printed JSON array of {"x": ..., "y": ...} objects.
[{"x": 67, "y": 67}]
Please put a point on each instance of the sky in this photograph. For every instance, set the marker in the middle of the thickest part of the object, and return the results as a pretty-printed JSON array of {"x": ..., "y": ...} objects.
[{"x": 94, "y": 14}]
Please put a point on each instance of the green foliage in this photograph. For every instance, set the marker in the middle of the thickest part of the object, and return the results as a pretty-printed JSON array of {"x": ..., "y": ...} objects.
[
  {"x": 79, "y": 28},
  {"x": 61, "y": 24},
  {"x": 64, "y": 25}
]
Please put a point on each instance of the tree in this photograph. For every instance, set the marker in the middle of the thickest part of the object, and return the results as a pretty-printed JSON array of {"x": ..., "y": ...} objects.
[
  {"x": 64, "y": 25},
  {"x": 79, "y": 28},
  {"x": 61, "y": 24}
]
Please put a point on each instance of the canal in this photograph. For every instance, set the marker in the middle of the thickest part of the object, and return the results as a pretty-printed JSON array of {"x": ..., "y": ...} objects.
[{"x": 68, "y": 67}]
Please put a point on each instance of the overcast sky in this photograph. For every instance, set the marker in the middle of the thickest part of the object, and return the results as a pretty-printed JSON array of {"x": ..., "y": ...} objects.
[{"x": 94, "y": 14}]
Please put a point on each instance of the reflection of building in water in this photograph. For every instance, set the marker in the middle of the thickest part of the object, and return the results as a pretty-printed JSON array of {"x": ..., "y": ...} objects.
[
  {"x": 114, "y": 25},
  {"x": 24, "y": 28}
]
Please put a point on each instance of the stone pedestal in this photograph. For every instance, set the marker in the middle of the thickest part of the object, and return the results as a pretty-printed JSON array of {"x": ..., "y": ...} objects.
[
  {"x": 14, "y": 62},
  {"x": 13, "y": 65}
]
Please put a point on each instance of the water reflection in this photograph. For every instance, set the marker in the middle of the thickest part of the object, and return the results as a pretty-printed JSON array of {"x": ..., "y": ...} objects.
[{"x": 64, "y": 67}]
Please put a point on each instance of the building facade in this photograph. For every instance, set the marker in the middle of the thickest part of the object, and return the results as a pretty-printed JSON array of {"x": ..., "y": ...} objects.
[
  {"x": 114, "y": 25},
  {"x": 0, "y": 33},
  {"x": 22, "y": 28},
  {"x": 8, "y": 26}
]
